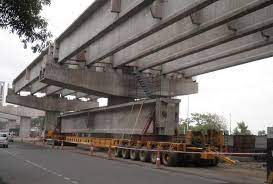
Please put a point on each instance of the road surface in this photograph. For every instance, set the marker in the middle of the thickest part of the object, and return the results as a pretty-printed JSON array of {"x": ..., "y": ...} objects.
[{"x": 30, "y": 164}]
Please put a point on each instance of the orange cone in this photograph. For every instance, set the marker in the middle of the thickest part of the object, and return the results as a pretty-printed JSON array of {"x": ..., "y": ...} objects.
[{"x": 91, "y": 149}]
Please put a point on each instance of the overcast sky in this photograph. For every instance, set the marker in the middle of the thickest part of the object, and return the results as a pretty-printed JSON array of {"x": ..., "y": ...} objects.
[{"x": 245, "y": 92}]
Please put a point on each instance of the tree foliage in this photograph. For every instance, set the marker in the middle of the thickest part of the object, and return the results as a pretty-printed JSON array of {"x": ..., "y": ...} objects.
[
  {"x": 241, "y": 129},
  {"x": 203, "y": 122},
  {"x": 23, "y": 17},
  {"x": 261, "y": 132}
]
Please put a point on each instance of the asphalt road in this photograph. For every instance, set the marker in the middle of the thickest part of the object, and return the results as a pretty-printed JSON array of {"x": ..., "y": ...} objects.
[{"x": 29, "y": 164}]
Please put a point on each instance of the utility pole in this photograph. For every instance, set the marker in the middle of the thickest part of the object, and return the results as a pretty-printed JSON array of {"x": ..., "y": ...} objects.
[
  {"x": 229, "y": 123},
  {"x": 188, "y": 113}
]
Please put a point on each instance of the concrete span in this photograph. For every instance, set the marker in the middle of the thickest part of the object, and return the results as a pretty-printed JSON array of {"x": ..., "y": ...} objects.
[{"x": 141, "y": 49}]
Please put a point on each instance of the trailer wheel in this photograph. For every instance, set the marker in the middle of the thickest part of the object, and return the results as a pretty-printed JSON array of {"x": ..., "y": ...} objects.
[
  {"x": 125, "y": 153},
  {"x": 214, "y": 162},
  {"x": 134, "y": 154},
  {"x": 118, "y": 152},
  {"x": 154, "y": 157},
  {"x": 169, "y": 159},
  {"x": 144, "y": 155}
]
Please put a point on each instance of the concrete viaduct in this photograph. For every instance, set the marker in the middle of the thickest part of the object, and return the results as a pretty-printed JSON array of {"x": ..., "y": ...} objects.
[
  {"x": 19, "y": 117},
  {"x": 134, "y": 49}
]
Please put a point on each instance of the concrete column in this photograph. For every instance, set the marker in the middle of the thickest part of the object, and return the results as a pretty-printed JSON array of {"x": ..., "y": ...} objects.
[
  {"x": 25, "y": 126},
  {"x": 11, "y": 124},
  {"x": 51, "y": 121},
  {"x": 116, "y": 100}
]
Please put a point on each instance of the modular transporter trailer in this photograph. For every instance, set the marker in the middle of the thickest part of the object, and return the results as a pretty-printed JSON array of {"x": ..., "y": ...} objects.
[{"x": 137, "y": 130}]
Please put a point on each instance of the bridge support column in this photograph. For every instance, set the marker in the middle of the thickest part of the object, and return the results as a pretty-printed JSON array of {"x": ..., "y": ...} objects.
[
  {"x": 11, "y": 124},
  {"x": 51, "y": 121},
  {"x": 25, "y": 126}
]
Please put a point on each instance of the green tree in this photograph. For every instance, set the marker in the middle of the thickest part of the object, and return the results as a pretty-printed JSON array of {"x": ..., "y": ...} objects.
[
  {"x": 184, "y": 125},
  {"x": 38, "y": 122},
  {"x": 241, "y": 129},
  {"x": 202, "y": 122},
  {"x": 261, "y": 132},
  {"x": 23, "y": 17}
]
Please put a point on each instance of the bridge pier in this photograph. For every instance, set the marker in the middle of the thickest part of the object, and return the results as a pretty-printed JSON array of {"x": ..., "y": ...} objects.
[{"x": 25, "y": 126}]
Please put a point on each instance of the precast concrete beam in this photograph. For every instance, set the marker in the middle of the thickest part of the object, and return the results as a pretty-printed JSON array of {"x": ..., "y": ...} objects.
[
  {"x": 246, "y": 44},
  {"x": 49, "y": 103},
  {"x": 8, "y": 116},
  {"x": 168, "y": 18},
  {"x": 129, "y": 118},
  {"x": 98, "y": 15},
  {"x": 67, "y": 92},
  {"x": 108, "y": 84},
  {"x": 21, "y": 111},
  {"x": 102, "y": 84},
  {"x": 240, "y": 33},
  {"x": 245, "y": 57},
  {"x": 37, "y": 87},
  {"x": 32, "y": 72},
  {"x": 211, "y": 18},
  {"x": 52, "y": 90}
]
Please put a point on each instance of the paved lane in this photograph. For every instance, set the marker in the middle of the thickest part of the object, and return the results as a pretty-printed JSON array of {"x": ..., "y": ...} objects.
[{"x": 30, "y": 164}]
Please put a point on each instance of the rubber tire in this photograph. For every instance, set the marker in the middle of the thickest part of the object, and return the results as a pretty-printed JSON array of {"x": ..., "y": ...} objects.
[
  {"x": 144, "y": 156},
  {"x": 125, "y": 153},
  {"x": 214, "y": 162},
  {"x": 153, "y": 157},
  {"x": 134, "y": 154},
  {"x": 118, "y": 152},
  {"x": 7, "y": 146},
  {"x": 170, "y": 159}
]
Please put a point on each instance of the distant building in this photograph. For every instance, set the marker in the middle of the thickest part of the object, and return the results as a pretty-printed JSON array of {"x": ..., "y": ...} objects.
[{"x": 2, "y": 92}]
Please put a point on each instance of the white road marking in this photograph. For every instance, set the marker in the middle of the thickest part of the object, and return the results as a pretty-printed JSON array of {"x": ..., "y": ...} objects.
[{"x": 42, "y": 168}]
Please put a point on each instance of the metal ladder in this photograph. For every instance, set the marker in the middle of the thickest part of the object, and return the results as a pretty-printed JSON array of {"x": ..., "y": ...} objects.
[{"x": 143, "y": 83}]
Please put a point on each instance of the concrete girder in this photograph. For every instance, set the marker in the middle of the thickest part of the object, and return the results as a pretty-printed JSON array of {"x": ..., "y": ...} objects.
[
  {"x": 87, "y": 81},
  {"x": 21, "y": 111},
  {"x": 155, "y": 26},
  {"x": 209, "y": 21},
  {"x": 81, "y": 95},
  {"x": 129, "y": 118},
  {"x": 98, "y": 15},
  {"x": 49, "y": 103},
  {"x": 8, "y": 116},
  {"x": 37, "y": 87},
  {"x": 238, "y": 59},
  {"x": 31, "y": 73},
  {"x": 52, "y": 90},
  {"x": 67, "y": 92},
  {"x": 202, "y": 58},
  {"x": 108, "y": 84},
  {"x": 210, "y": 44}
]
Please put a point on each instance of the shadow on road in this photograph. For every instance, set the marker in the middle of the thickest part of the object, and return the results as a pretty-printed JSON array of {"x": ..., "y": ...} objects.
[{"x": 2, "y": 182}]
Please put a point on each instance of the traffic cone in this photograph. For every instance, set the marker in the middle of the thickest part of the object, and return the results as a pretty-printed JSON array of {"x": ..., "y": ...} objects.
[
  {"x": 91, "y": 149},
  {"x": 158, "y": 162}
]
